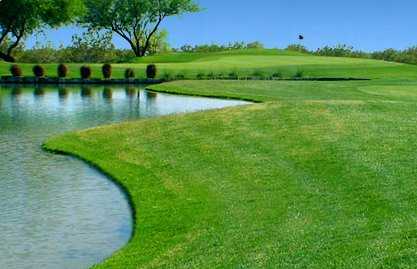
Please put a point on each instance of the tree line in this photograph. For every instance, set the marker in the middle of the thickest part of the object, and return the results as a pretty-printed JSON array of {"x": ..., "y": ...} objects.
[
  {"x": 408, "y": 55},
  {"x": 135, "y": 21}
]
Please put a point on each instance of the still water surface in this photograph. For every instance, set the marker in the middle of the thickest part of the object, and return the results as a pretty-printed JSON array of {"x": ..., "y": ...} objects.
[{"x": 56, "y": 211}]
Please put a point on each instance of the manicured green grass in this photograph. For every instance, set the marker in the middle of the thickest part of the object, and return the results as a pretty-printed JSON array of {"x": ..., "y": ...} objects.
[
  {"x": 318, "y": 175},
  {"x": 247, "y": 62}
]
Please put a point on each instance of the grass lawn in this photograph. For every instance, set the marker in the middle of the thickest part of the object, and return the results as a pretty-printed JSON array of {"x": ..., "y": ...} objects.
[
  {"x": 317, "y": 175},
  {"x": 244, "y": 63}
]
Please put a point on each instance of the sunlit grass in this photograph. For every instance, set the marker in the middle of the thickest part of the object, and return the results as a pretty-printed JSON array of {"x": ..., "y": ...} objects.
[{"x": 318, "y": 175}]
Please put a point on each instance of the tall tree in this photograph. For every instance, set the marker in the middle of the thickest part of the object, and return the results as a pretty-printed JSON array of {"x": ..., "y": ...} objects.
[
  {"x": 20, "y": 18},
  {"x": 136, "y": 21}
]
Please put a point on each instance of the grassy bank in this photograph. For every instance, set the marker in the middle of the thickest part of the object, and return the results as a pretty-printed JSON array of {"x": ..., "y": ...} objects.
[
  {"x": 318, "y": 175},
  {"x": 247, "y": 63}
]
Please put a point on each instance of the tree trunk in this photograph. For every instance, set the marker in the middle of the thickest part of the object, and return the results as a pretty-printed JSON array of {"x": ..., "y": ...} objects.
[{"x": 7, "y": 58}]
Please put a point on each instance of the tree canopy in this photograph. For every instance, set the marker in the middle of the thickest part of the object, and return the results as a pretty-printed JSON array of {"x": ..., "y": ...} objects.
[
  {"x": 20, "y": 18},
  {"x": 136, "y": 21}
]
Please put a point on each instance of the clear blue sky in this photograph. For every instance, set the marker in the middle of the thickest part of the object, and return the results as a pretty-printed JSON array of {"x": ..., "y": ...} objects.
[{"x": 365, "y": 24}]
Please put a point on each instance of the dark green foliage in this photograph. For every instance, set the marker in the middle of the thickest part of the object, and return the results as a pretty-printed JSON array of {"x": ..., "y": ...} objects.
[
  {"x": 218, "y": 48},
  {"x": 180, "y": 76},
  {"x": 298, "y": 48},
  {"x": 106, "y": 71},
  {"x": 277, "y": 75},
  {"x": 129, "y": 73},
  {"x": 151, "y": 71},
  {"x": 200, "y": 76},
  {"x": 167, "y": 76},
  {"x": 233, "y": 75},
  {"x": 62, "y": 71},
  {"x": 257, "y": 74},
  {"x": 299, "y": 74},
  {"x": 20, "y": 18},
  {"x": 135, "y": 21},
  {"x": 85, "y": 72},
  {"x": 341, "y": 51},
  {"x": 16, "y": 71},
  {"x": 38, "y": 71},
  {"x": 211, "y": 75}
]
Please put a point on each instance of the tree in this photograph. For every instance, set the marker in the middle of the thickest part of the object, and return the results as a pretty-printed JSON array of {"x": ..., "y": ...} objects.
[
  {"x": 159, "y": 43},
  {"x": 20, "y": 18},
  {"x": 136, "y": 21}
]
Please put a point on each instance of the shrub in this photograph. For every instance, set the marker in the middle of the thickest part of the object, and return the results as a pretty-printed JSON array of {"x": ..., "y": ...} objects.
[
  {"x": 297, "y": 48},
  {"x": 16, "y": 71},
  {"x": 38, "y": 71},
  {"x": 233, "y": 75},
  {"x": 167, "y": 76},
  {"x": 85, "y": 72},
  {"x": 299, "y": 74},
  {"x": 107, "y": 71},
  {"x": 180, "y": 76},
  {"x": 200, "y": 76},
  {"x": 258, "y": 74},
  {"x": 277, "y": 75},
  {"x": 151, "y": 71},
  {"x": 211, "y": 75},
  {"x": 62, "y": 71},
  {"x": 129, "y": 73},
  {"x": 220, "y": 75}
]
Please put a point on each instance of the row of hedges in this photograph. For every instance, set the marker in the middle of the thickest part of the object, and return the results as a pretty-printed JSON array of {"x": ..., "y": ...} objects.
[
  {"x": 151, "y": 73},
  {"x": 85, "y": 71}
]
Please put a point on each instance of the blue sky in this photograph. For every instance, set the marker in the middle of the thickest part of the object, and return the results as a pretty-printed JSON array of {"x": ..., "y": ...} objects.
[{"x": 367, "y": 24}]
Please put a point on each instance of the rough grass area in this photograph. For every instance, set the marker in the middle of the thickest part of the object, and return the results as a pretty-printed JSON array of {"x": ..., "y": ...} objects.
[
  {"x": 319, "y": 175},
  {"x": 257, "y": 63}
]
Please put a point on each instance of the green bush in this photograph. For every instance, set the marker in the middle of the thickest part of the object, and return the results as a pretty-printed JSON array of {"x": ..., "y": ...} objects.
[
  {"x": 277, "y": 75},
  {"x": 297, "y": 48},
  {"x": 38, "y": 71},
  {"x": 151, "y": 71},
  {"x": 85, "y": 72},
  {"x": 233, "y": 75},
  {"x": 299, "y": 74},
  {"x": 211, "y": 75},
  {"x": 167, "y": 76},
  {"x": 200, "y": 76},
  {"x": 62, "y": 71},
  {"x": 257, "y": 74},
  {"x": 16, "y": 71},
  {"x": 220, "y": 75},
  {"x": 180, "y": 76},
  {"x": 106, "y": 71},
  {"x": 129, "y": 73}
]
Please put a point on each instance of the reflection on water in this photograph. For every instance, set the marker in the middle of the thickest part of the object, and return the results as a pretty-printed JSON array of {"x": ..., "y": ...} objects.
[{"x": 55, "y": 211}]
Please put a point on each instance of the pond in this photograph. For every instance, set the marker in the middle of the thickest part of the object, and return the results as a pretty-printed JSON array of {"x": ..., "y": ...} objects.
[{"x": 56, "y": 211}]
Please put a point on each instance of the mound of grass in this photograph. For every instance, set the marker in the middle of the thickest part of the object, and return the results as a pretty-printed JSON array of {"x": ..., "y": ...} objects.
[{"x": 319, "y": 175}]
